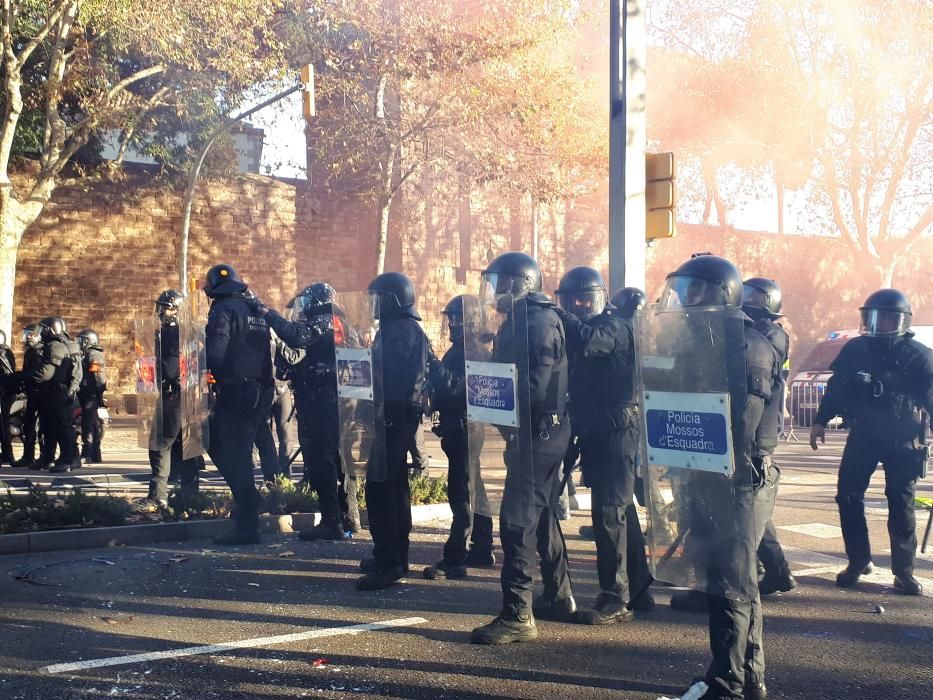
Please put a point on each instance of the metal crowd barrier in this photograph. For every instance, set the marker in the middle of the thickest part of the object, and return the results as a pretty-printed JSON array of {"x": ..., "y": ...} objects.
[{"x": 802, "y": 403}]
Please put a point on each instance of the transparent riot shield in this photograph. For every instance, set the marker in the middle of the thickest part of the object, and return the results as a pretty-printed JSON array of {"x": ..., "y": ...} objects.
[
  {"x": 359, "y": 382},
  {"x": 499, "y": 425},
  {"x": 692, "y": 380},
  {"x": 148, "y": 383},
  {"x": 193, "y": 383}
]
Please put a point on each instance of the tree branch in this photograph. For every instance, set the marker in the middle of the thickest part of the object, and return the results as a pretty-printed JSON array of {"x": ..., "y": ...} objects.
[
  {"x": 130, "y": 131},
  {"x": 65, "y": 7},
  {"x": 897, "y": 172}
]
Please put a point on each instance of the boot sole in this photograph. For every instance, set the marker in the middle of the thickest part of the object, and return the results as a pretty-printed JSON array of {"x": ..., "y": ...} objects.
[
  {"x": 526, "y": 637},
  {"x": 595, "y": 620}
]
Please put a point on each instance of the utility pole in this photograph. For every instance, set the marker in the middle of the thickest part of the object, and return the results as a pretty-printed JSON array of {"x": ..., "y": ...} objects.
[{"x": 627, "y": 143}]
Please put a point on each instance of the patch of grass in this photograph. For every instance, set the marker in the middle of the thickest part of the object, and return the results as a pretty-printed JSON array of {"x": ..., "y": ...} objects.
[
  {"x": 283, "y": 497},
  {"x": 424, "y": 490},
  {"x": 36, "y": 510},
  {"x": 188, "y": 504}
]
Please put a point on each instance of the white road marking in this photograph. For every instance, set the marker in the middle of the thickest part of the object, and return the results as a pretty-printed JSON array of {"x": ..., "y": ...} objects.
[
  {"x": 822, "y": 564},
  {"x": 227, "y": 646},
  {"x": 821, "y": 530}
]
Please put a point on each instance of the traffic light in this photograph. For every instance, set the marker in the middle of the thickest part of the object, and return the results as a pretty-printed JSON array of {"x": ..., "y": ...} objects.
[
  {"x": 307, "y": 91},
  {"x": 659, "y": 196}
]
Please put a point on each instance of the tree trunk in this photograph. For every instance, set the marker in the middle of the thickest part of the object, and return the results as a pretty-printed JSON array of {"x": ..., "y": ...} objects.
[
  {"x": 887, "y": 273},
  {"x": 383, "y": 242},
  {"x": 780, "y": 207},
  {"x": 11, "y": 232},
  {"x": 534, "y": 228}
]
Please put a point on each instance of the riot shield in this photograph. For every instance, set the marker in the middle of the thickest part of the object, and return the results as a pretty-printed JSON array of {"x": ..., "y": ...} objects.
[
  {"x": 692, "y": 381},
  {"x": 148, "y": 383},
  {"x": 359, "y": 378},
  {"x": 193, "y": 383},
  {"x": 499, "y": 408}
]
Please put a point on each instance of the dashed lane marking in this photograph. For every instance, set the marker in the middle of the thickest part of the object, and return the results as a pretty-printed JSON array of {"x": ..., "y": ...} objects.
[
  {"x": 820, "y": 530},
  {"x": 227, "y": 646}
]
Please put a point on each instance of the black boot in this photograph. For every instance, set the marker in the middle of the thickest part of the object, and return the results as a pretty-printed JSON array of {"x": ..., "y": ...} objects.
[
  {"x": 323, "y": 531},
  {"x": 771, "y": 582},
  {"x": 444, "y": 569},
  {"x": 587, "y": 532},
  {"x": 506, "y": 628},
  {"x": 380, "y": 578},
  {"x": 238, "y": 537},
  {"x": 754, "y": 690},
  {"x": 643, "y": 603},
  {"x": 907, "y": 585},
  {"x": 368, "y": 564},
  {"x": 555, "y": 609},
  {"x": 607, "y": 610},
  {"x": 849, "y": 576},
  {"x": 690, "y": 601},
  {"x": 481, "y": 559}
]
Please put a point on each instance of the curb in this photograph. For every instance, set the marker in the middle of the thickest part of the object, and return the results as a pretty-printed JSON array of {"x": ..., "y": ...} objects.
[{"x": 99, "y": 537}]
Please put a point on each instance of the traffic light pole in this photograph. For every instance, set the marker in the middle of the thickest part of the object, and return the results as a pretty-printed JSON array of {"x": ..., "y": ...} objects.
[{"x": 627, "y": 143}]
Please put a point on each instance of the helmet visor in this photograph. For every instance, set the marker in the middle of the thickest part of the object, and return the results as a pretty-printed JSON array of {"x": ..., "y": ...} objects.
[
  {"x": 583, "y": 304},
  {"x": 878, "y": 322},
  {"x": 299, "y": 309},
  {"x": 682, "y": 290},
  {"x": 500, "y": 290},
  {"x": 452, "y": 327},
  {"x": 755, "y": 298}
]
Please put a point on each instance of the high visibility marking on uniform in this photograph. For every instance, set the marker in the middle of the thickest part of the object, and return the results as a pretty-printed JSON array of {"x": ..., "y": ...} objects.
[
  {"x": 228, "y": 646},
  {"x": 820, "y": 530}
]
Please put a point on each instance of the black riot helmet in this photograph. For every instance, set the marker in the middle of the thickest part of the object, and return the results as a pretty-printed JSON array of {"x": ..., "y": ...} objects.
[
  {"x": 885, "y": 313},
  {"x": 88, "y": 338},
  {"x": 313, "y": 300},
  {"x": 168, "y": 305},
  {"x": 52, "y": 327},
  {"x": 508, "y": 278},
  {"x": 453, "y": 317},
  {"x": 704, "y": 280},
  {"x": 762, "y": 297},
  {"x": 30, "y": 335},
  {"x": 628, "y": 301},
  {"x": 223, "y": 280},
  {"x": 582, "y": 292},
  {"x": 392, "y": 294}
]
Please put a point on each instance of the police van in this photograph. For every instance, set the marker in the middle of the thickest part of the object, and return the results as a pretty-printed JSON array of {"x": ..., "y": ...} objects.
[{"x": 809, "y": 383}]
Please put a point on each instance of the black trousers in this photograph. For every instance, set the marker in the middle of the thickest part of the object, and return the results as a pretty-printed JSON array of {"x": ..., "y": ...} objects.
[
  {"x": 609, "y": 470},
  {"x": 238, "y": 409},
  {"x": 860, "y": 458},
  {"x": 465, "y": 488},
  {"x": 169, "y": 452},
  {"x": 57, "y": 420},
  {"x": 770, "y": 552},
  {"x": 92, "y": 429},
  {"x": 319, "y": 437},
  {"x": 735, "y": 626},
  {"x": 521, "y": 537},
  {"x": 6, "y": 445},
  {"x": 389, "y": 501},
  {"x": 31, "y": 431}
]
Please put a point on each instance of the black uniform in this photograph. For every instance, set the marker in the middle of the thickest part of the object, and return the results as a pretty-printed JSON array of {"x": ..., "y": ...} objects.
[
  {"x": 879, "y": 386},
  {"x": 91, "y": 396},
  {"x": 237, "y": 342},
  {"x": 735, "y": 626},
  {"x": 547, "y": 385},
  {"x": 32, "y": 359},
  {"x": 604, "y": 413},
  {"x": 770, "y": 552},
  {"x": 170, "y": 449},
  {"x": 312, "y": 371},
  {"x": 447, "y": 379},
  {"x": 402, "y": 349},
  {"x": 274, "y": 460},
  {"x": 57, "y": 378},
  {"x": 8, "y": 390}
]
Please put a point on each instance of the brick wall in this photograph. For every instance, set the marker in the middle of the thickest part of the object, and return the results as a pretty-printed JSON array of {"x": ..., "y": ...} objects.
[{"x": 100, "y": 256}]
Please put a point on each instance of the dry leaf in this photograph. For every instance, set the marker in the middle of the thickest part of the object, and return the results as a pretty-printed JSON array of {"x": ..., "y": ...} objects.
[
  {"x": 256, "y": 585},
  {"x": 286, "y": 554}
]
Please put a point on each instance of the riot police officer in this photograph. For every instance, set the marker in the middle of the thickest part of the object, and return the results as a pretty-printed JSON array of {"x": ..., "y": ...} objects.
[
  {"x": 168, "y": 366},
  {"x": 312, "y": 371},
  {"x": 447, "y": 389},
  {"x": 57, "y": 378},
  {"x": 735, "y": 621},
  {"x": 515, "y": 281},
  {"x": 762, "y": 300},
  {"x": 402, "y": 349},
  {"x": 239, "y": 360},
  {"x": 32, "y": 358},
  {"x": 604, "y": 414},
  {"x": 882, "y": 384},
  {"x": 91, "y": 395},
  {"x": 7, "y": 392}
]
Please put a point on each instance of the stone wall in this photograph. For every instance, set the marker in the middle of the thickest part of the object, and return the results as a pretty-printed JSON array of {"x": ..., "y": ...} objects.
[{"x": 99, "y": 256}]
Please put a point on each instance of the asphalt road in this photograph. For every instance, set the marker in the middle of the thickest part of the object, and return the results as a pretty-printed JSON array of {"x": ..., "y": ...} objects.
[{"x": 72, "y": 607}]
